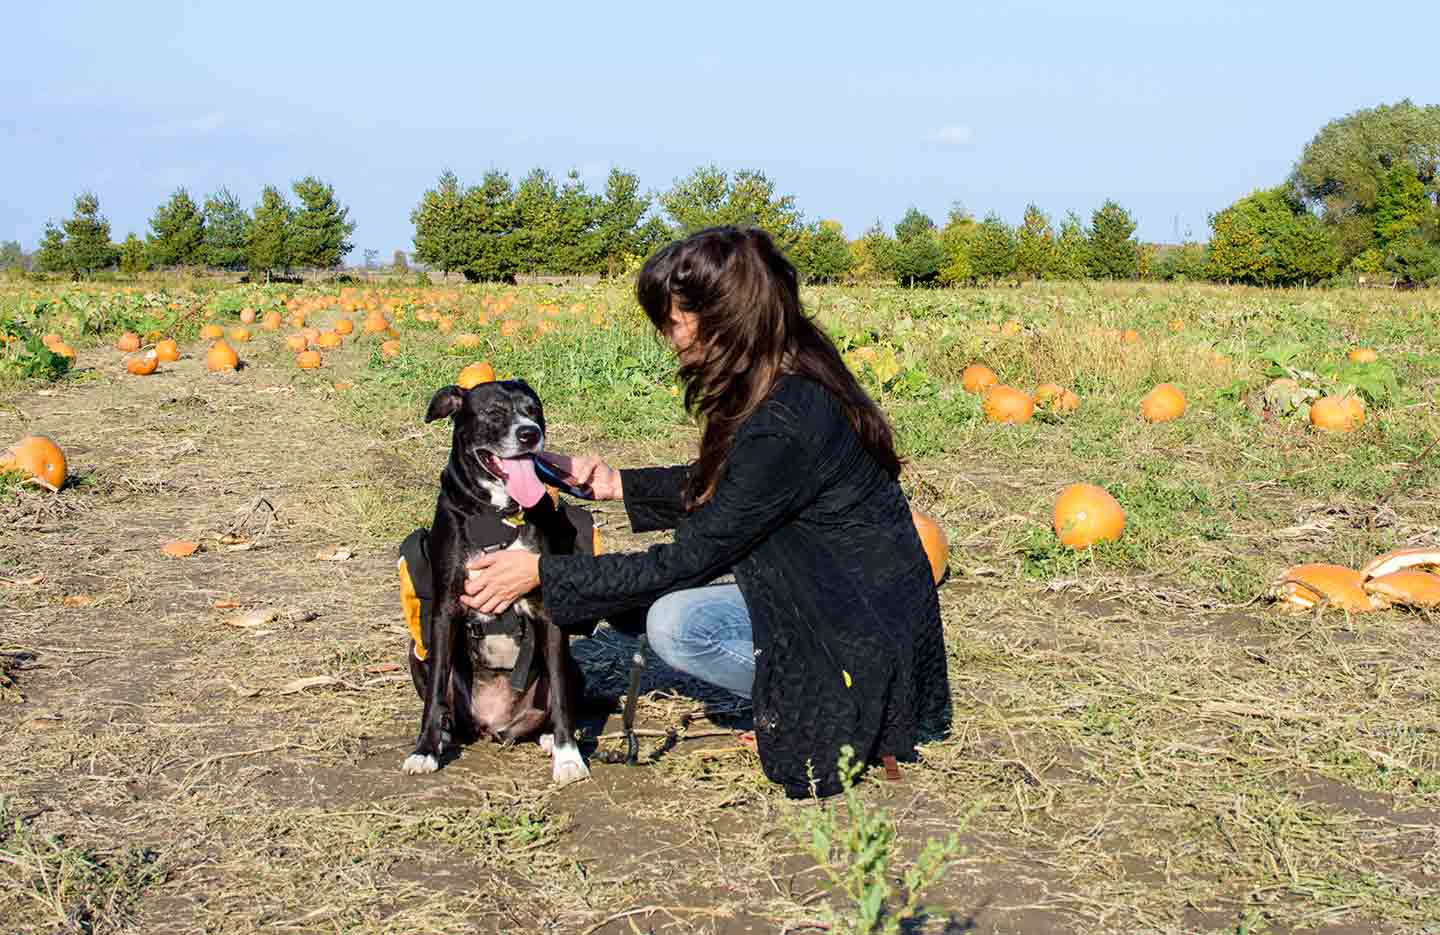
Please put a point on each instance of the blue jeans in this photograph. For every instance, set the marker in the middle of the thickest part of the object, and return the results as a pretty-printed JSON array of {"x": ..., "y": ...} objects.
[{"x": 705, "y": 632}]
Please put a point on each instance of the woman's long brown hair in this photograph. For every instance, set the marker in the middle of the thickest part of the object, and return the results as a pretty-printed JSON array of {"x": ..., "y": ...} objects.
[{"x": 751, "y": 330}]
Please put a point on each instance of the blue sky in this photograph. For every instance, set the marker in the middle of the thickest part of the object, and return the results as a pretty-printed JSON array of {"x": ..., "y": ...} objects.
[{"x": 858, "y": 110}]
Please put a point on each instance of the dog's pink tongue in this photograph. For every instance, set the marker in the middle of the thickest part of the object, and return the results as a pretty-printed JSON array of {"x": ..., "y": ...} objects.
[{"x": 521, "y": 482}]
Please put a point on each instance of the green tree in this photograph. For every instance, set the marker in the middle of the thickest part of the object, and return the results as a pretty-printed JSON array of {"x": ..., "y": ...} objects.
[
  {"x": 616, "y": 233},
  {"x": 709, "y": 197},
  {"x": 1071, "y": 260},
  {"x": 956, "y": 240},
  {"x": 534, "y": 242},
  {"x": 1269, "y": 238},
  {"x": 1114, "y": 253},
  {"x": 992, "y": 249},
  {"x": 1035, "y": 244},
  {"x": 177, "y": 232},
  {"x": 134, "y": 257},
  {"x": 227, "y": 231},
  {"x": 320, "y": 227},
  {"x": 489, "y": 217},
  {"x": 440, "y": 232},
  {"x": 87, "y": 236},
  {"x": 877, "y": 254},
  {"x": 1343, "y": 169},
  {"x": 11, "y": 256},
  {"x": 1414, "y": 259},
  {"x": 52, "y": 256},
  {"x": 1401, "y": 204},
  {"x": 823, "y": 254},
  {"x": 268, "y": 246},
  {"x": 918, "y": 255},
  {"x": 400, "y": 263}
]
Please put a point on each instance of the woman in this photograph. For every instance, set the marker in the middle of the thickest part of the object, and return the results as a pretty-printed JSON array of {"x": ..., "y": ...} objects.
[{"x": 833, "y": 624}]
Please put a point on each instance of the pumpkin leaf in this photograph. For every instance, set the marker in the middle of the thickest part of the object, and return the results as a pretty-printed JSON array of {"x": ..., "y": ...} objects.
[{"x": 1281, "y": 356}]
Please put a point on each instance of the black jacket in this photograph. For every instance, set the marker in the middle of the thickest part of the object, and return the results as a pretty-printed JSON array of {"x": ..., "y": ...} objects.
[{"x": 845, "y": 614}]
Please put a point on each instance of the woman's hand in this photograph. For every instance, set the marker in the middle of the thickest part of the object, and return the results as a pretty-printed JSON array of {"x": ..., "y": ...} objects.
[
  {"x": 588, "y": 470},
  {"x": 499, "y": 579}
]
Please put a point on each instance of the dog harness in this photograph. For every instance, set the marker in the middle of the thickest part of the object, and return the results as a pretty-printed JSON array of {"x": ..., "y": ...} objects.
[{"x": 491, "y": 531}]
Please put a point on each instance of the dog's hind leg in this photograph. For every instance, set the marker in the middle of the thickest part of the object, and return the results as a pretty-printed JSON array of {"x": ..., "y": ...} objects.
[
  {"x": 437, "y": 724},
  {"x": 567, "y": 765}
]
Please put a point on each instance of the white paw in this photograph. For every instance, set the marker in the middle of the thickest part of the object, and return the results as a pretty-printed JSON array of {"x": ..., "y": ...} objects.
[
  {"x": 569, "y": 766},
  {"x": 547, "y": 744},
  {"x": 417, "y": 763}
]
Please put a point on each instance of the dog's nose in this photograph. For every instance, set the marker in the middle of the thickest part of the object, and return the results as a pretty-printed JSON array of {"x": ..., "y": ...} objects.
[{"x": 528, "y": 435}]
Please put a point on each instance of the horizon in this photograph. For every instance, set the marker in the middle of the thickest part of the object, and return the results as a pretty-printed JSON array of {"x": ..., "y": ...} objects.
[{"x": 858, "y": 120}]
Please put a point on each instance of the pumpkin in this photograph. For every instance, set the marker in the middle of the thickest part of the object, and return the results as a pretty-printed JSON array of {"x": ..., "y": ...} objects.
[
  {"x": 976, "y": 378},
  {"x": 297, "y": 320},
  {"x": 1177, "y": 325},
  {"x": 1306, "y": 586},
  {"x": 329, "y": 339},
  {"x": 1011, "y": 328},
  {"x": 445, "y": 325},
  {"x": 1422, "y": 557},
  {"x": 307, "y": 360},
  {"x": 247, "y": 316},
  {"x": 1056, "y": 398},
  {"x": 508, "y": 327},
  {"x": 167, "y": 350},
  {"x": 63, "y": 349},
  {"x": 296, "y": 342},
  {"x": 39, "y": 457},
  {"x": 1363, "y": 355},
  {"x": 239, "y": 335},
  {"x": 211, "y": 332},
  {"x": 1007, "y": 404},
  {"x": 1356, "y": 405},
  {"x": 375, "y": 322},
  {"x": 272, "y": 321},
  {"x": 1410, "y": 587},
  {"x": 52, "y": 339},
  {"x": 466, "y": 341},
  {"x": 475, "y": 374},
  {"x": 1163, "y": 403},
  {"x": 344, "y": 326},
  {"x": 390, "y": 349},
  {"x": 142, "y": 365},
  {"x": 1129, "y": 336},
  {"x": 1086, "y": 514},
  {"x": 1331, "y": 414},
  {"x": 221, "y": 356},
  {"x": 129, "y": 341},
  {"x": 932, "y": 537}
]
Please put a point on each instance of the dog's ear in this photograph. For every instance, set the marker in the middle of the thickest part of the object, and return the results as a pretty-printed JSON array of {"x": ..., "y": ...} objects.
[{"x": 443, "y": 404}]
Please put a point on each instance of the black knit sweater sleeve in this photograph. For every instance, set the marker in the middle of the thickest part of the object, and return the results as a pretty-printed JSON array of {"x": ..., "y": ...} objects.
[
  {"x": 654, "y": 497},
  {"x": 764, "y": 485}
]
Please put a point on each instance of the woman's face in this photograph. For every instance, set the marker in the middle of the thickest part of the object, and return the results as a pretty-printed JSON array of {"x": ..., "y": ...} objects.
[{"x": 682, "y": 334}]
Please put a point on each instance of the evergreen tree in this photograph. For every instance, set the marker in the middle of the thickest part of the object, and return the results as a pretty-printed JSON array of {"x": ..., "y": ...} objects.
[
  {"x": 52, "y": 256},
  {"x": 177, "y": 232},
  {"x": 268, "y": 245},
  {"x": 1114, "y": 254},
  {"x": 917, "y": 252},
  {"x": 1071, "y": 260},
  {"x": 87, "y": 236},
  {"x": 319, "y": 227},
  {"x": 227, "y": 231},
  {"x": 577, "y": 212},
  {"x": 877, "y": 260},
  {"x": 440, "y": 232},
  {"x": 992, "y": 251},
  {"x": 533, "y": 244},
  {"x": 1035, "y": 244},
  {"x": 709, "y": 197},
  {"x": 11, "y": 256},
  {"x": 616, "y": 233},
  {"x": 133, "y": 255},
  {"x": 489, "y": 218}
]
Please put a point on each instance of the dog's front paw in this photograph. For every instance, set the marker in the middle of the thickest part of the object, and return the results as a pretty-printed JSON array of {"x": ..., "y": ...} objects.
[
  {"x": 418, "y": 763},
  {"x": 569, "y": 766}
]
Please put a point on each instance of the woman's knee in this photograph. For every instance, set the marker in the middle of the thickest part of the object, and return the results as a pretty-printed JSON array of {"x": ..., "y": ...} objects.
[{"x": 664, "y": 623}]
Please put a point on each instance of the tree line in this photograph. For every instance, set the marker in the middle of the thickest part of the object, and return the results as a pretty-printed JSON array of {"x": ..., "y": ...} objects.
[
  {"x": 1363, "y": 200},
  {"x": 275, "y": 236}
]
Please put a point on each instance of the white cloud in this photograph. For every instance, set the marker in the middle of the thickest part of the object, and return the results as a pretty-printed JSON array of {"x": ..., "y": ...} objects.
[
  {"x": 957, "y": 134},
  {"x": 191, "y": 126}
]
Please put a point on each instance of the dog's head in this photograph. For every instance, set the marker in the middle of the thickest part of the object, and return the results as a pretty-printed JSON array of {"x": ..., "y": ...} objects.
[{"x": 499, "y": 426}]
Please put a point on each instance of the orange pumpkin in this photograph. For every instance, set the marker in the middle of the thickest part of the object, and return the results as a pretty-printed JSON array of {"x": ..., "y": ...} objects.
[
  {"x": 239, "y": 335},
  {"x": 932, "y": 537},
  {"x": 308, "y": 360},
  {"x": 52, "y": 339},
  {"x": 475, "y": 374},
  {"x": 977, "y": 378},
  {"x": 1410, "y": 587},
  {"x": 129, "y": 341},
  {"x": 142, "y": 365},
  {"x": 1007, "y": 404},
  {"x": 1086, "y": 514},
  {"x": 1363, "y": 355},
  {"x": 271, "y": 321},
  {"x": 329, "y": 339},
  {"x": 37, "y": 456},
  {"x": 1177, "y": 325},
  {"x": 466, "y": 341},
  {"x": 221, "y": 356},
  {"x": 375, "y": 322},
  {"x": 1306, "y": 586},
  {"x": 1356, "y": 405},
  {"x": 390, "y": 349},
  {"x": 211, "y": 332},
  {"x": 167, "y": 350},
  {"x": 1129, "y": 336},
  {"x": 63, "y": 349},
  {"x": 344, "y": 326},
  {"x": 1331, "y": 414},
  {"x": 1163, "y": 403},
  {"x": 1056, "y": 398},
  {"x": 247, "y": 315}
]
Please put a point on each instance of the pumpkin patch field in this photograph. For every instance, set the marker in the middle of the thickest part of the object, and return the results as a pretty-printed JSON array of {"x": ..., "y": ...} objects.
[{"x": 1181, "y": 703}]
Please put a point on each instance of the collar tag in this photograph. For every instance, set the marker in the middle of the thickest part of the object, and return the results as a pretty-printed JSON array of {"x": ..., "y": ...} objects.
[{"x": 515, "y": 521}]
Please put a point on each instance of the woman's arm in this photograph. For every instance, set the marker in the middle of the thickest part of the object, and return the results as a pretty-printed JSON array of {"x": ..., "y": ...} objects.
[
  {"x": 654, "y": 497},
  {"x": 765, "y": 484}
]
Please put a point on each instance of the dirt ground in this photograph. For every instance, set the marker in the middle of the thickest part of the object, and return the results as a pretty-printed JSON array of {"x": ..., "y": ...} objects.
[{"x": 167, "y": 770}]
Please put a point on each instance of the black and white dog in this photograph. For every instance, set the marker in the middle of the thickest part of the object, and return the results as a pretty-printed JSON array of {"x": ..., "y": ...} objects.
[{"x": 505, "y": 677}]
